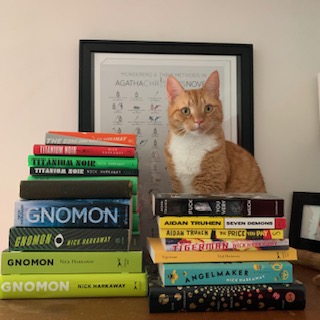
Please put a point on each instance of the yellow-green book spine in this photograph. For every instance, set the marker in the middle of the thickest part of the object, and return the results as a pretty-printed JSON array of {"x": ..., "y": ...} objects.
[{"x": 37, "y": 286}]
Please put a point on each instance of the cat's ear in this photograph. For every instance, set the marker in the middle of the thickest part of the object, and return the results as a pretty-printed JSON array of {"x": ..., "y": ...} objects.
[
  {"x": 212, "y": 84},
  {"x": 174, "y": 88}
]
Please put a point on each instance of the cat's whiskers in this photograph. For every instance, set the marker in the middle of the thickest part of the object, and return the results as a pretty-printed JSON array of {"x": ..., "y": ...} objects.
[{"x": 181, "y": 131}]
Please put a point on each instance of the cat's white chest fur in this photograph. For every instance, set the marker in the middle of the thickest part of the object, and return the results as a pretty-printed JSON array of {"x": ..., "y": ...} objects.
[{"x": 187, "y": 154}]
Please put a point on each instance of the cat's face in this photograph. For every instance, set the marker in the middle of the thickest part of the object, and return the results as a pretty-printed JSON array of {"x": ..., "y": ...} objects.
[{"x": 194, "y": 111}]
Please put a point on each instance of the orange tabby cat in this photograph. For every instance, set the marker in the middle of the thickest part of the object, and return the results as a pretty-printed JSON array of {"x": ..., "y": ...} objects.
[{"x": 199, "y": 159}]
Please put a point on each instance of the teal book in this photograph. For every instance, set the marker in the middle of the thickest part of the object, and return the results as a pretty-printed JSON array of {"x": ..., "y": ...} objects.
[
  {"x": 224, "y": 298},
  {"x": 41, "y": 286},
  {"x": 235, "y": 273},
  {"x": 82, "y": 162}
]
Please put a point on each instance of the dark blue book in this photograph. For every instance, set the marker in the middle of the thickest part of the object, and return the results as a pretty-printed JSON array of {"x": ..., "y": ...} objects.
[{"x": 71, "y": 213}]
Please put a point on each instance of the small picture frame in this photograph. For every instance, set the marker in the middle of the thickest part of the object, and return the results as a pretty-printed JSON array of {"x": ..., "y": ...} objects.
[{"x": 304, "y": 230}]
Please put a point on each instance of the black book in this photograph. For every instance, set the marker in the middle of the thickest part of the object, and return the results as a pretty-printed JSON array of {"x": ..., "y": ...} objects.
[
  {"x": 232, "y": 204},
  {"x": 75, "y": 189},
  {"x": 82, "y": 172},
  {"x": 244, "y": 297}
]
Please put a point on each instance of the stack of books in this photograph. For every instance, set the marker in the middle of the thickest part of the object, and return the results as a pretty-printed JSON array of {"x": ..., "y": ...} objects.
[
  {"x": 88, "y": 156},
  {"x": 221, "y": 252},
  {"x": 73, "y": 238}
]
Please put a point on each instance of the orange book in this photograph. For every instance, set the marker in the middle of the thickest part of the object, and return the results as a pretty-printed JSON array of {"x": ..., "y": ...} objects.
[
  {"x": 159, "y": 255},
  {"x": 91, "y": 138}
]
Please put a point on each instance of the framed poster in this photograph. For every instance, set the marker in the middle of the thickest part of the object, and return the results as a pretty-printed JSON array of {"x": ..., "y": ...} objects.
[
  {"x": 304, "y": 230},
  {"x": 122, "y": 88}
]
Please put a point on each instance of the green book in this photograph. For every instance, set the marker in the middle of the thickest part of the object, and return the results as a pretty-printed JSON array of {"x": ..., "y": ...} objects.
[
  {"x": 33, "y": 262},
  {"x": 82, "y": 162},
  {"x": 135, "y": 205},
  {"x": 134, "y": 180},
  {"x": 69, "y": 239},
  {"x": 35, "y": 286},
  {"x": 135, "y": 221}
]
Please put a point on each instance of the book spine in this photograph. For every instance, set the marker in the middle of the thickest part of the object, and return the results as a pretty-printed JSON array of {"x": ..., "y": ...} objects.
[
  {"x": 78, "y": 172},
  {"x": 223, "y": 234},
  {"x": 68, "y": 239},
  {"x": 221, "y": 222},
  {"x": 209, "y": 244},
  {"x": 91, "y": 213},
  {"x": 135, "y": 222},
  {"x": 79, "y": 150},
  {"x": 91, "y": 138},
  {"x": 113, "y": 180},
  {"x": 82, "y": 162},
  {"x": 72, "y": 285},
  {"x": 35, "y": 189},
  {"x": 53, "y": 262},
  {"x": 173, "y": 205},
  {"x": 227, "y": 298},
  {"x": 185, "y": 274},
  {"x": 159, "y": 255}
]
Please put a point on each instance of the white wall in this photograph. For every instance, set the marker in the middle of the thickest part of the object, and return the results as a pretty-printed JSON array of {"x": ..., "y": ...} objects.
[{"x": 39, "y": 42}]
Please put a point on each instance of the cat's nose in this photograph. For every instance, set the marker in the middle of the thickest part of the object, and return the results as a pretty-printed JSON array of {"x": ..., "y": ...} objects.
[{"x": 199, "y": 122}]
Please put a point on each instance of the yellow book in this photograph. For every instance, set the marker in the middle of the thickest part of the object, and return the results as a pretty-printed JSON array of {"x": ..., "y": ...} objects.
[
  {"x": 159, "y": 255},
  {"x": 222, "y": 234},
  {"x": 204, "y": 222}
]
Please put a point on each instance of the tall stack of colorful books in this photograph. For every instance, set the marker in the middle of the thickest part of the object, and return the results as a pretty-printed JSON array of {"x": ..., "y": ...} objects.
[
  {"x": 221, "y": 252},
  {"x": 72, "y": 233},
  {"x": 88, "y": 156}
]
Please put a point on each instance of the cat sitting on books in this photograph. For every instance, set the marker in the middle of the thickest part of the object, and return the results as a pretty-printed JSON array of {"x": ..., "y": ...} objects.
[{"x": 199, "y": 159}]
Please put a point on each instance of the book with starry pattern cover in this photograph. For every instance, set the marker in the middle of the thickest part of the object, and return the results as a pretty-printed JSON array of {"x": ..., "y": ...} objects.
[{"x": 236, "y": 297}]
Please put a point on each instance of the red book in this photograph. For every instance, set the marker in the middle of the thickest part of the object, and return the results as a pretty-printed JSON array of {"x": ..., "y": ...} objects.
[
  {"x": 91, "y": 138},
  {"x": 80, "y": 150}
]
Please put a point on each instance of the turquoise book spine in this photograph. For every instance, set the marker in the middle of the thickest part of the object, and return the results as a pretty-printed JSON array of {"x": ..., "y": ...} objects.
[{"x": 235, "y": 273}]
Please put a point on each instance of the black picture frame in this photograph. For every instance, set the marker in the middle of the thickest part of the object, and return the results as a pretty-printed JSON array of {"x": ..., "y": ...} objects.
[
  {"x": 242, "y": 52},
  {"x": 297, "y": 237}
]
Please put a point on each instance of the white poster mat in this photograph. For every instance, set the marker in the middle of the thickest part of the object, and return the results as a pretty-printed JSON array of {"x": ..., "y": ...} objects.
[{"x": 130, "y": 97}]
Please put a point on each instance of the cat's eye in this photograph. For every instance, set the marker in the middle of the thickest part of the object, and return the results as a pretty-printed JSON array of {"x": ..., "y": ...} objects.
[
  {"x": 186, "y": 111},
  {"x": 208, "y": 108}
]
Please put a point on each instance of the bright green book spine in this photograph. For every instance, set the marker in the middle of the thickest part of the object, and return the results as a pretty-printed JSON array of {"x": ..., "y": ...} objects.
[
  {"x": 33, "y": 262},
  {"x": 82, "y": 162},
  {"x": 134, "y": 180},
  {"x": 36, "y": 286},
  {"x": 135, "y": 222}
]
